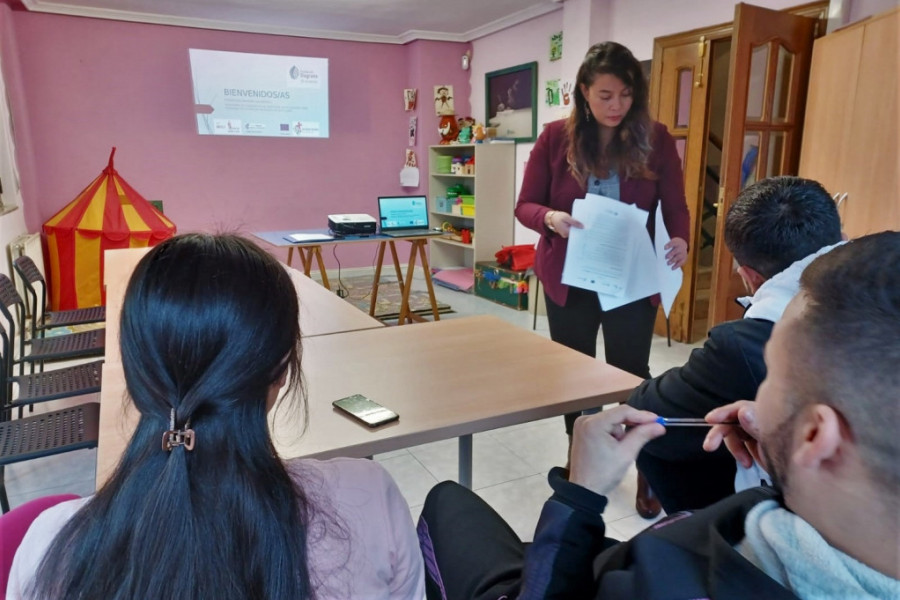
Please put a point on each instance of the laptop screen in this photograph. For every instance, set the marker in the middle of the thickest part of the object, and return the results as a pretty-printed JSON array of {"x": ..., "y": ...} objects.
[{"x": 403, "y": 212}]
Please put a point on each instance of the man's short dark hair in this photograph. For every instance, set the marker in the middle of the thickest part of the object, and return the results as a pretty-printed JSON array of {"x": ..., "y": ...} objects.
[
  {"x": 846, "y": 347},
  {"x": 777, "y": 221}
]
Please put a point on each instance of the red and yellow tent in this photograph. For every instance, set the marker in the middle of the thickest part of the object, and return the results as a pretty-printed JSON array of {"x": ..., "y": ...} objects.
[{"x": 107, "y": 214}]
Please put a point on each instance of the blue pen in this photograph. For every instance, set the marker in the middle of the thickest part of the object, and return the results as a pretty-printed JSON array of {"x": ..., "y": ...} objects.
[{"x": 689, "y": 422}]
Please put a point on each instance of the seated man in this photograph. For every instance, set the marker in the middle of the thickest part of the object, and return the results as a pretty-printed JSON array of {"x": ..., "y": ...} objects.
[
  {"x": 774, "y": 229},
  {"x": 824, "y": 427}
]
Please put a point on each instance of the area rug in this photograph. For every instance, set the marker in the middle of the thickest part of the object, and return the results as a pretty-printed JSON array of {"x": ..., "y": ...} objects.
[{"x": 387, "y": 306}]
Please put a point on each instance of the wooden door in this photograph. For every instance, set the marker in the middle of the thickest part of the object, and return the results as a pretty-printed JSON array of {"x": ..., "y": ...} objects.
[
  {"x": 770, "y": 56},
  {"x": 680, "y": 104}
]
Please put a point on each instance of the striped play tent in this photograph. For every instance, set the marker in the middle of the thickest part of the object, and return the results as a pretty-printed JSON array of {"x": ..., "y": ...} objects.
[{"x": 107, "y": 214}]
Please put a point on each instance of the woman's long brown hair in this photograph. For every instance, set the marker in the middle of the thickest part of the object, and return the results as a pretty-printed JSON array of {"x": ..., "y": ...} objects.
[{"x": 630, "y": 147}]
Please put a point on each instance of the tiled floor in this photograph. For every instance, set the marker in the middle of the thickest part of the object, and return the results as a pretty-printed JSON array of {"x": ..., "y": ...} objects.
[{"x": 510, "y": 464}]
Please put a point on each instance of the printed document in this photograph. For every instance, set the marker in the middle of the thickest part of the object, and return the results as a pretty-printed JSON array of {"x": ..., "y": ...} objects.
[
  {"x": 614, "y": 256},
  {"x": 599, "y": 256}
]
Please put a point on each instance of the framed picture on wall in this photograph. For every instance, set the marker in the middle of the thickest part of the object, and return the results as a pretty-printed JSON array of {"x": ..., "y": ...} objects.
[{"x": 510, "y": 97}]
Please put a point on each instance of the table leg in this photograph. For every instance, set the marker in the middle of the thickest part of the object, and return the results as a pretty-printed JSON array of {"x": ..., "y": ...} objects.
[
  {"x": 290, "y": 255},
  {"x": 428, "y": 282},
  {"x": 318, "y": 252},
  {"x": 404, "y": 296},
  {"x": 305, "y": 255},
  {"x": 378, "y": 262},
  {"x": 465, "y": 461},
  {"x": 396, "y": 265}
]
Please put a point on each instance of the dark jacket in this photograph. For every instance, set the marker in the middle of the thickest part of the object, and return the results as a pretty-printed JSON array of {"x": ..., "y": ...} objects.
[
  {"x": 548, "y": 185},
  {"x": 686, "y": 556},
  {"x": 728, "y": 367}
]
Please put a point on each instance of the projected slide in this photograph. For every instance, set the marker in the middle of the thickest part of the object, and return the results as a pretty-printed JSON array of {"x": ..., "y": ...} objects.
[{"x": 259, "y": 94}]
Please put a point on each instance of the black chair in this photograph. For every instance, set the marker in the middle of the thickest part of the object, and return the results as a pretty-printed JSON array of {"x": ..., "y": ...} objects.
[
  {"x": 84, "y": 344},
  {"x": 74, "y": 428},
  {"x": 46, "y": 385},
  {"x": 44, "y": 319}
]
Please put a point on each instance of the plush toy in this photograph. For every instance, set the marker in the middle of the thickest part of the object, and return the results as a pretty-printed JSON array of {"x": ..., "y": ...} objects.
[{"x": 448, "y": 129}]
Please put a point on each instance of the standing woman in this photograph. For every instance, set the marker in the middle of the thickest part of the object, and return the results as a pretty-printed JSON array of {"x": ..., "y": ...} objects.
[
  {"x": 607, "y": 146},
  {"x": 200, "y": 505}
]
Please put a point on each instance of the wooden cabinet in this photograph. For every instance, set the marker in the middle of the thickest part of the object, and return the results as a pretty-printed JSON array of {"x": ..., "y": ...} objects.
[
  {"x": 851, "y": 133},
  {"x": 493, "y": 185}
]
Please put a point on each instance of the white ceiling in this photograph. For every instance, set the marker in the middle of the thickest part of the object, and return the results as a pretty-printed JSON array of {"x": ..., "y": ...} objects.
[{"x": 387, "y": 21}]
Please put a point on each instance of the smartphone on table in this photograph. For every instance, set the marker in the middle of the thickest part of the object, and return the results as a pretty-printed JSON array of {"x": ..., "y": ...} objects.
[{"x": 365, "y": 411}]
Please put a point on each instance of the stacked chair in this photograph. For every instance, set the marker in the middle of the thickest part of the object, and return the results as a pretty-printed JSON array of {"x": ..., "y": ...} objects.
[
  {"x": 43, "y": 320},
  {"x": 52, "y": 432}
]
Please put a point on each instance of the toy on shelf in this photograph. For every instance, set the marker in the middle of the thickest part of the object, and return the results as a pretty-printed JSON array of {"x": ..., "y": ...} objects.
[
  {"x": 478, "y": 133},
  {"x": 463, "y": 234},
  {"x": 465, "y": 129},
  {"x": 448, "y": 129}
]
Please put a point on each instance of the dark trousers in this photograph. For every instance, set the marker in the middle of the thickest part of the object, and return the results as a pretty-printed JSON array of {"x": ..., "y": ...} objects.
[
  {"x": 470, "y": 552},
  {"x": 627, "y": 332},
  {"x": 688, "y": 483}
]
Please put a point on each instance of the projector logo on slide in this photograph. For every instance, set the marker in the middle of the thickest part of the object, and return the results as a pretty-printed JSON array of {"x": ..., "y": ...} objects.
[
  {"x": 304, "y": 77},
  {"x": 303, "y": 129},
  {"x": 227, "y": 126}
]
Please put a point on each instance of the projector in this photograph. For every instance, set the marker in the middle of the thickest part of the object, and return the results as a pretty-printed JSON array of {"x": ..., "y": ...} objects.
[{"x": 351, "y": 224}]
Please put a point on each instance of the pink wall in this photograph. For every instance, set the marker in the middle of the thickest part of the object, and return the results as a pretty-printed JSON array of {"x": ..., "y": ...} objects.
[
  {"x": 431, "y": 64},
  {"x": 89, "y": 84}
]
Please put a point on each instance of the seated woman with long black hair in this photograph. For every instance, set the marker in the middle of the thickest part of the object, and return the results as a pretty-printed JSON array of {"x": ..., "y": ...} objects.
[{"x": 209, "y": 334}]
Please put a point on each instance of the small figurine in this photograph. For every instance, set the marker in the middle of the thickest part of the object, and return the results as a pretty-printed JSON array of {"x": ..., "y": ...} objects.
[
  {"x": 465, "y": 125},
  {"x": 478, "y": 133}
]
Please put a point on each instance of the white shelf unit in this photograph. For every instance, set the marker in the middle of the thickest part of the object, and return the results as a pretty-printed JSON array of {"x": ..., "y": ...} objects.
[{"x": 493, "y": 186}]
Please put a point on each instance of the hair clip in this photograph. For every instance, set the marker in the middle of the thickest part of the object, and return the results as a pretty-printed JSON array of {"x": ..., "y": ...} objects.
[{"x": 178, "y": 437}]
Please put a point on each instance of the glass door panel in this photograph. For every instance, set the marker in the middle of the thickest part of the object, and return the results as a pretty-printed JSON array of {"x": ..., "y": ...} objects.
[
  {"x": 784, "y": 68},
  {"x": 756, "y": 90}
]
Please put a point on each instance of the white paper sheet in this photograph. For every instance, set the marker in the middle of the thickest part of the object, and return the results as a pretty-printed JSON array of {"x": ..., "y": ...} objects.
[
  {"x": 669, "y": 279},
  {"x": 643, "y": 281},
  {"x": 614, "y": 256},
  {"x": 598, "y": 257},
  {"x": 308, "y": 237},
  {"x": 409, "y": 177}
]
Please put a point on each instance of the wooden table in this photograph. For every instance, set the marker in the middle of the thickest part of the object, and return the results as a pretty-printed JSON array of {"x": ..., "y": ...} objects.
[
  {"x": 311, "y": 251},
  {"x": 321, "y": 313},
  {"x": 445, "y": 379}
]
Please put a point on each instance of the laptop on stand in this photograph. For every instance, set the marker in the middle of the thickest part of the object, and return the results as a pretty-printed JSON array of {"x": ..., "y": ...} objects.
[{"x": 404, "y": 216}]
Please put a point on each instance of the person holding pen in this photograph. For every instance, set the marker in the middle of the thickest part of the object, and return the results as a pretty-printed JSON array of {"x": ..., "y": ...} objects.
[{"x": 823, "y": 425}]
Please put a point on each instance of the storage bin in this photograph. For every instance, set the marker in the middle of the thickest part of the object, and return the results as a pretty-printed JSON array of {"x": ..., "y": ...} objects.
[
  {"x": 442, "y": 164},
  {"x": 500, "y": 285},
  {"x": 467, "y": 199},
  {"x": 468, "y": 210}
]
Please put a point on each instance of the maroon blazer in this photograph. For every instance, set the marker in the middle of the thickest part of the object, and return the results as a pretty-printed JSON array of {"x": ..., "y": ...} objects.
[{"x": 548, "y": 185}]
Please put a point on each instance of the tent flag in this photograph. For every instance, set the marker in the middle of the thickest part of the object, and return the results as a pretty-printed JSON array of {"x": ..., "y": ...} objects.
[{"x": 106, "y": 215}]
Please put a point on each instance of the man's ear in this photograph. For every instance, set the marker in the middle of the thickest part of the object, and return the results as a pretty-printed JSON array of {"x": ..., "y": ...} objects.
[
  {"x": 820, "y": 437},
  {"x": 752, "y": 278}
]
